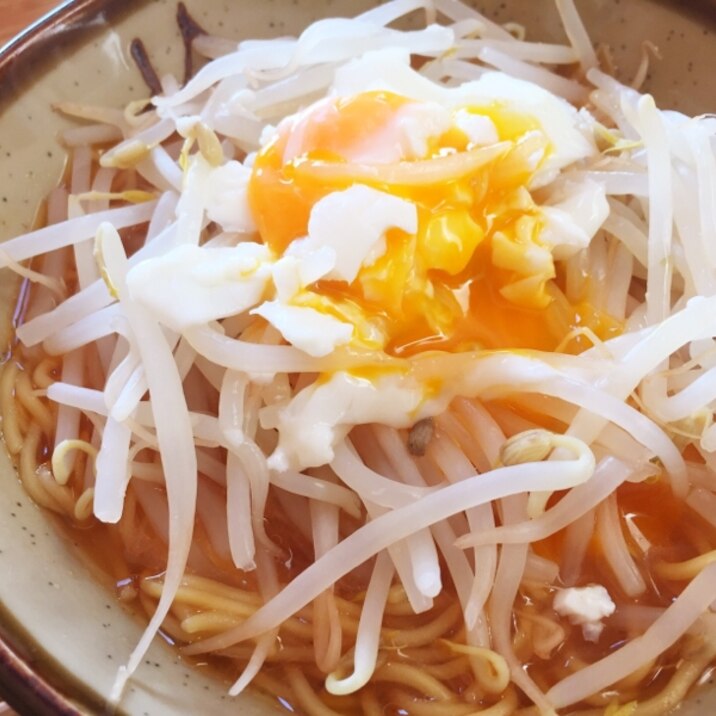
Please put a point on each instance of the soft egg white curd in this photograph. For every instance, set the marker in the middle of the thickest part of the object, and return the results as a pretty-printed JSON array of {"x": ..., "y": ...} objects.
[{"x": 394, "y": 216}]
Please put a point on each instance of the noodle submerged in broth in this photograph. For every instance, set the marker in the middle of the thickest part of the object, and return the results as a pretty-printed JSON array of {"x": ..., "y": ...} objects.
[{"x": 388, "y": 389}]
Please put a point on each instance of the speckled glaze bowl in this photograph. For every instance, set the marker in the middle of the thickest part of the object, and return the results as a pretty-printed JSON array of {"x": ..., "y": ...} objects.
[{"x": 62, "y": 634}]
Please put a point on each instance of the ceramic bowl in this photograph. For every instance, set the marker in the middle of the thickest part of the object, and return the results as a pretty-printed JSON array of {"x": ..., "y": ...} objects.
[{"x": 62, "y": 633}]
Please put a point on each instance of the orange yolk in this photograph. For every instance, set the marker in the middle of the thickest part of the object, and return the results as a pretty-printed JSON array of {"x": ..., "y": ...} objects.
[{"x": 474, "y": 276}]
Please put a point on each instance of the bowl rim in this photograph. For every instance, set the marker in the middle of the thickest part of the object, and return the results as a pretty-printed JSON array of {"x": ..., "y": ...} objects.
[
  {"x": 67, "y": 16},
  {"x": 26, "y": 684},
  {"x": 25, "y": 690}
]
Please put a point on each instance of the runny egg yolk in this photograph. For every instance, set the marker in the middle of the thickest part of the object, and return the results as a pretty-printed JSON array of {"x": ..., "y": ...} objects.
[{"x": 474, "y": 276}]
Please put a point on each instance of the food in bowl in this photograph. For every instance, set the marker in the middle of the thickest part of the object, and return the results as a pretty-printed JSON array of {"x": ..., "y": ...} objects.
[{"x": 370, "y": 363}]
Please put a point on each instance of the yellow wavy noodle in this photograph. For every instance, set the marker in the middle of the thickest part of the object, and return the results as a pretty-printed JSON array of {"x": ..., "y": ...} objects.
[
  {"x": 688, "y": 569},
  {"x": 370, "y": 704},
  {"x": 275, "y": 684},
  {"x": 337, "y": 703},
  {"x": 37, "y": 409},
  {"x": 547, "y": 634},
  {"x": 427, "y": 633},
  {"x": 447, "y": 670},
  {"x": 632, "y": 681},
  {"x": 490, "y": 669},
  {"x": 695, "y": 535},
  {"x": 43, "y": 376},
  {"x": 406, "y": 700},
  {"x": 281, "y": 653},
  {"x": 29, "y": 473},
  {"x": 305, "y": 695},
  {"x": 415, "y": 678},
  {"x": 697, "y": 655},
  {"x": 170, "y": 626},
  {"x": 327, "y": 632},
  {"x": 12, "y": 434},
  {"x": 205, "y": 545},
  {"x": 424, "y": 666},
  {"x": 83, "y": 506},
  {"x": 213, "y": 622}
]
